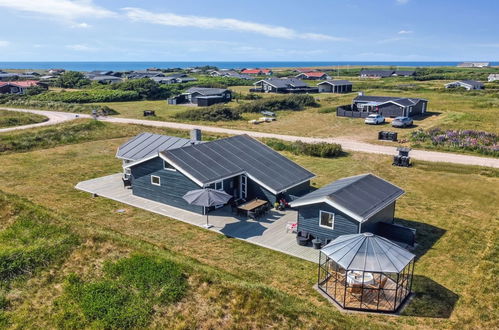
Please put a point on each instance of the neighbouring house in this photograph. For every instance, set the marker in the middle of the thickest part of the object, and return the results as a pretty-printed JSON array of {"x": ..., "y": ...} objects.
[
  {"x": 139, "y": 74},
  {"x": 176, "y": 78},
  {"x": 357, "y": 204},
  {"x": 164, "y": 169},
  {"x": 283, "y": 85},
  {"x": 8, "y": 76},
  {"x": 18, "y": 87},
  {"x": 202, "y": 96},
  {"x": 467, "y": 84},
  {"x": 56, "y": 71},
  {"x": 313, "y": 76},
  {"x": 335, "y": 86},
  {"x": 257, "y": 72},
  {"x": 106, "y": 79},
  {"x": 389, "y": 106},
  {"x": 304, "y": 70},
  {"x": 493, "y": 77},
  {"x": 473, "y": 65},
  {"x": 386, "y": 73}
]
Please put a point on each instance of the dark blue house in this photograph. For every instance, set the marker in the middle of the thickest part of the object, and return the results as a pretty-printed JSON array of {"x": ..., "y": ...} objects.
[
  {"x": 357, "y": 204},
  {"x": 243, "y": 167}
]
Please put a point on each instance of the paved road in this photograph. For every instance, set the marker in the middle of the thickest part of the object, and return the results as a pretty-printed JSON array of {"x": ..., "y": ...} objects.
[
  {"x": 54, "y": 117},
  {"x": 348, "y": 145}
]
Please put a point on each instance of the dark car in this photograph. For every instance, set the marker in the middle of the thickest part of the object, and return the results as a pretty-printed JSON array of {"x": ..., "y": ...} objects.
[{"x": 402, "y": 122}]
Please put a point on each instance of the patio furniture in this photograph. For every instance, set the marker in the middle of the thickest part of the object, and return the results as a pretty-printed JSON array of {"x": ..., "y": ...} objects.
[
  {"x": 127, "y": 183},
  {"x": 354, "y": 278},
  {"x": 291, "y": 227},
  {"x": 206, "y": 198},
  {"x": 251, "y": 206},
  {"x": 316, "y": 243},
  {"x": 302, "y": 238}
]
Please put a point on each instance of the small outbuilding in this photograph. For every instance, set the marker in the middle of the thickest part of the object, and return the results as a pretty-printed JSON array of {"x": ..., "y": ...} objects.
[
  {"x": 335, "y": 86},
  {"x": 366, "y": 272},
  {"x": 467, "y": 84}
]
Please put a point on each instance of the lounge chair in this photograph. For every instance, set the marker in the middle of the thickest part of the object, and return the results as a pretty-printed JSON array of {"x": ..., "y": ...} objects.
[{"x": 302, "y": 238}]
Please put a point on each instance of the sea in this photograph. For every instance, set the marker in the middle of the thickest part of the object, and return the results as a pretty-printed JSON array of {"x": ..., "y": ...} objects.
[{"x": 129, "y": 66}]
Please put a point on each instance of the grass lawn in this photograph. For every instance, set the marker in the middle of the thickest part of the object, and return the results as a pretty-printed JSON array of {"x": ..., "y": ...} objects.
[
  {"x": 453, "y": 208},
  {"x": 15, "y": 118}
]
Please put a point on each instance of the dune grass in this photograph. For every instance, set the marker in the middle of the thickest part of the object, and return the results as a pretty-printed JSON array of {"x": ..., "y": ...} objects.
[
  {"x": 16, "y": 118},
  {"x": 236, "y": 284}
]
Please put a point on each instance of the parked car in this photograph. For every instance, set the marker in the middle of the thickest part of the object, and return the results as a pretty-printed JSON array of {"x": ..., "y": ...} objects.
[
  {"x": 374, "y": 119},
  {"x": 402, "y": 122}
]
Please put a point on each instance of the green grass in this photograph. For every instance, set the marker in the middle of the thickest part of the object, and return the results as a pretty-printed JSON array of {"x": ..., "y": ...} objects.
[
  {"x": 237, "y": 284},
  {"x": 16, "y": 118}
]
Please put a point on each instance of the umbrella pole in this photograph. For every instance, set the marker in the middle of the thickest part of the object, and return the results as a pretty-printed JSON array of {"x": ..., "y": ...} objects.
[{"x": 207, "y": 223}]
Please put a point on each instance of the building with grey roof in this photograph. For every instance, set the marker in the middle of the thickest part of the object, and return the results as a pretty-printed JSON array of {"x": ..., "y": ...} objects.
[
  {"x": 361, "y": 203},
  {"x": 467, "y": 84},
  {"x": 335, "y": 86},
  {"x": 389, "y": 106},
  {"x": 283, "y": 85},
  {"x": 240, "y": 165}
]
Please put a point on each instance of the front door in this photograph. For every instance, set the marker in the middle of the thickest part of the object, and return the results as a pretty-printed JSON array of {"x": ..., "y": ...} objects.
[
  {"x": 219, "y": 185},
  {"x": 243, "y": 187}
]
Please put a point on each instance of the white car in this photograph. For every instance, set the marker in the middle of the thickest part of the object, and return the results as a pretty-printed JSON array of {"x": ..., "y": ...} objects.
[{"x": 374, "y": 119}]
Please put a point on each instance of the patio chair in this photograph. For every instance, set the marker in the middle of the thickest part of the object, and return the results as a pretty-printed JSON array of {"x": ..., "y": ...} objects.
[
  {"x": 252, "y": 215},
  {"x": 127, "y": 183},
  {"x": 291, "y": 226},
  {"x": 302, "y": 238}
]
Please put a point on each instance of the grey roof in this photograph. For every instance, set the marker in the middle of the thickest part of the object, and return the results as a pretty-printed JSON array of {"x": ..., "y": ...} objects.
[
  {"x": 284, "y": 82},
  {"x": 148, "y": 144},
  {"x": 336, "y": 82},
  {"x": 378, "y": 73},
  {"x": 106, "y": 77},
  {"x": 473, "y": 83},
  {"x": 404, "y": 101},
  {"x": 405, "y": 72},
  {"x": 363, "y": 195},
  {"x": 367, "y": 252},
  {"x": 206, "y": 91},
  {"x": 8, "y": 75},
  {"x": 215, "y": 160}
]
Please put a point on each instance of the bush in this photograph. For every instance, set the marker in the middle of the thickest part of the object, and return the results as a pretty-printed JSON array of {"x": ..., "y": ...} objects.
[
  {"x": 250, "y": 96},
  {"x": 61, "y": 106},
  {"x": 212, "y": 113},
  {"x": 71, "y": 79},
  {"x": 144, "y": 88},
  {"x": 88, "y": 96},
  {"x": 293, "y": 102},
  {"x": 323, "y": 149}
]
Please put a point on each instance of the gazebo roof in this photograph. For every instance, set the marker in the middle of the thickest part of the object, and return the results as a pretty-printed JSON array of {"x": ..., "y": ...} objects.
[{"x": 367, "y": 252}]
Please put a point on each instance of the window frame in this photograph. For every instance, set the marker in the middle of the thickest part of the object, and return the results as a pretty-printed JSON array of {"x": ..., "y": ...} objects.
[
  {"x": 159, "y": 180},
  {"x": 320, "y": 219},
  {"x": 168, "y": 168}
]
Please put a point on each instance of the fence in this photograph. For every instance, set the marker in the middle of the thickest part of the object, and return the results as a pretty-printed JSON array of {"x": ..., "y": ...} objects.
[{"x": 346, "y": 111}]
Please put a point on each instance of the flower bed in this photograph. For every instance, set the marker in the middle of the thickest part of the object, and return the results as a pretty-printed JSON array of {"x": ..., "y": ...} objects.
[{"x": 471, "y": 140}]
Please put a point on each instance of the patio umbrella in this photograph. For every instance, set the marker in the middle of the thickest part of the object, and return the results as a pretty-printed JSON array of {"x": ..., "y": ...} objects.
[{"x": 206, "y": 198}]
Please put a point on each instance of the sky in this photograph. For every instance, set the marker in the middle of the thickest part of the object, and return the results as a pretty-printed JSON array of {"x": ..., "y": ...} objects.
[{"x": 252, "y": 30}]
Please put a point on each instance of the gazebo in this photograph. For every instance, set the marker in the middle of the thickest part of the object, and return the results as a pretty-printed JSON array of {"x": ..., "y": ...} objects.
[{"x": 366, "y": 272}]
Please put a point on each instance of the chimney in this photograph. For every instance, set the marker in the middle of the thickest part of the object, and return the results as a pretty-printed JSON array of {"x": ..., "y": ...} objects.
[
  {"x": 195, "y": 135},
  {"x": 361, "y": 93}
]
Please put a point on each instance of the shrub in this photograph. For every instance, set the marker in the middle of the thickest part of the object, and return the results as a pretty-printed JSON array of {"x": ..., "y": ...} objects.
[
  {"x": 61, "y": 106},
  {"x": 144, "y": 88},
  {"x": 250, "y": 96},
  {"x": 323, "y": 149},
  {"x": 293, "y": 102},
  {"x": 88, "y": 96},
  {"x": 71, "y": 79},
  {"x": 212, "y": 113}
]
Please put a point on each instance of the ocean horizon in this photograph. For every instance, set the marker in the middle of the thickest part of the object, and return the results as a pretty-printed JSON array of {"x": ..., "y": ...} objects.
[{"x": 129, "y": 66}]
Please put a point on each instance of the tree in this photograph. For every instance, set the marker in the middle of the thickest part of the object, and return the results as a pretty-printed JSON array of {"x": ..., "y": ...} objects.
[
  {"x": 71, "y": 79},
  {"x": 34, "y": 90}
]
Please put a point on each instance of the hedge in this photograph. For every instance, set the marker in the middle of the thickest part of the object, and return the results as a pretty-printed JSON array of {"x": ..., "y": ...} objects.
[
  {"x": 213, "y": 113},
  {"x": 88, "y": 96},
  {"x": 322, "y": 149},
  {"x": 293, "y": 102}
]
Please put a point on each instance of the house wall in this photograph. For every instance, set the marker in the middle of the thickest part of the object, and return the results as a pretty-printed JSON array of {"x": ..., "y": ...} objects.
[
  {"x": 174, "y": 185},
  {"x": 385, "y": 215},
  {"x": 257, "y": 191},
  {"x": 391, "y": 110},
  {"x": 299, "y": 190},
  {"x": 308, "y": 220}
]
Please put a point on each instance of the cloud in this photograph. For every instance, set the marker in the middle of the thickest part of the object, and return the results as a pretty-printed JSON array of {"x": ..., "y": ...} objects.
[
  {"x": 170, "y": 19},
  {"x": 405, "y": 32},
  {"x": 4, "y": 43},
  {"x": 65, "y": 9},
  {"x": 80, "y": 48},
  {"x": 402, "y": 2},
  {"x": 82, "y": 25}
]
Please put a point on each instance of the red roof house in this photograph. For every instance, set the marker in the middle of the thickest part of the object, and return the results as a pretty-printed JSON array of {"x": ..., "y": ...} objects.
[{"x": 17, "y": 87}]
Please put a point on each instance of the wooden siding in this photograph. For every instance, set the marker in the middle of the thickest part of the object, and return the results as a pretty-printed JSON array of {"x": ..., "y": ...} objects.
[
  {"x": 385, "y": 215},
  {"x": 298, "y": 190},
  {"x": 173, "y": 186},
  {"x": 257, "y": 191},
  {"x": 308, "y": 220}
]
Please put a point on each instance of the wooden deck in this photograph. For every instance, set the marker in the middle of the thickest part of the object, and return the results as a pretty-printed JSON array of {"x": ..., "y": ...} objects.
[{"x": 268, "y": 231}]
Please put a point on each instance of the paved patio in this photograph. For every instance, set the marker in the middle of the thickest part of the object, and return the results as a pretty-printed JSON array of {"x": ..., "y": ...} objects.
[{"x": 269, "y": 232}]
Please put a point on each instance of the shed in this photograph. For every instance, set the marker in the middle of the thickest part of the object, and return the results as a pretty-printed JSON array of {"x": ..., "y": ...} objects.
[{"x": 335, "y": 86}]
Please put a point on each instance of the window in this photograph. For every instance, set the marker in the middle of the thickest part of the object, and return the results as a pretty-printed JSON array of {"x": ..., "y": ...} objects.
[
  {"x": 168, "y": 166},
  {"x": 128, "y": 171},
  {"x": 155, "y": 180},
  {"x": 326, "y": 219},
  {"x": 219, "y": 185}
]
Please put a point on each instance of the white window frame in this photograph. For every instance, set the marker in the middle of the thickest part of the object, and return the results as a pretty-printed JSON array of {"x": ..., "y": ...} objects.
[
  {"x": 168, "y": 168},
  {"x": 320, "y": 219},
  {"x": 221, "y": 185},
  {"x": 243, "y": 187},
  {"x": 128, "y": 171},
  {"x": 159, "y": 180}
]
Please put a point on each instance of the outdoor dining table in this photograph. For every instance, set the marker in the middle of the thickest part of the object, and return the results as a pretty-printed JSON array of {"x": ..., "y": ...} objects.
[
  {"x": 252, "y": 205},
  {"x": 354, "y": 277}
]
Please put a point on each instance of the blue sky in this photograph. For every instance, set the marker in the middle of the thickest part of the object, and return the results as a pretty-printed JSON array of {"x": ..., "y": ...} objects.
[{"x": 236, "y": 30}]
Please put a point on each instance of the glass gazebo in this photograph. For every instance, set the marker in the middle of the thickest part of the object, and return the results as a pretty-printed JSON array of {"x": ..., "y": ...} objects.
[{"x": 366, "y": 272}]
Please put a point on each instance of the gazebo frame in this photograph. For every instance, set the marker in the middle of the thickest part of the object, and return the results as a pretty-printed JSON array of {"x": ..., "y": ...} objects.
[{"x": 385, "y": 292}]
